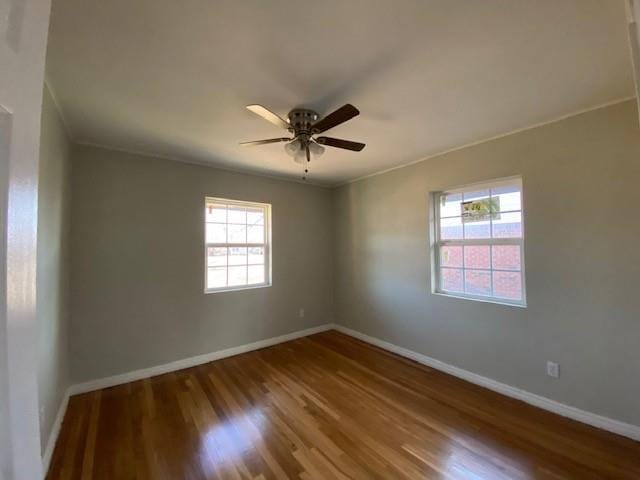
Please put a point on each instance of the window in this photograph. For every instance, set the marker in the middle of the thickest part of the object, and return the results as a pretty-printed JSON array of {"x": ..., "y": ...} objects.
[
  {"x": 237, "y": 245},
  {"x": 478, "y": 249}
]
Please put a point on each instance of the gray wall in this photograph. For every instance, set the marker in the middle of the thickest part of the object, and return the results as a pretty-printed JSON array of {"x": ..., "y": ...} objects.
[
  {"x": 54, "y": 190},
  {"x": 138, "y": 262},
  {"x": 581, "y": 190},
  {"x": 137, "y": 267}
]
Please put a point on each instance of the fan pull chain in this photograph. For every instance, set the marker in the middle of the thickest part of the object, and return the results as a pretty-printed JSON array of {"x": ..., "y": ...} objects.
[{"x": 306, "y": 170}]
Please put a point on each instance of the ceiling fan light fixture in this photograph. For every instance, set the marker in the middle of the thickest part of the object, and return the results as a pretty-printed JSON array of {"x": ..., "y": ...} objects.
[
  {"x": 300, "y": 156},
  {"x": 294, "y": 148},
  {"x": 315, "y": 149},
  {"x": 304, "y": 125}
]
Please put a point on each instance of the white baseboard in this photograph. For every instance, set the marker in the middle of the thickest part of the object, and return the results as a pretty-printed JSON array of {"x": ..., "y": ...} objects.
[
  {"x": 190, "y": 362},
  {"x": 55, "y": 432},
  {"x": 598, "y": 421},
  {"x": 159, "y": 370},
  {"x": 604, "y": 423}
]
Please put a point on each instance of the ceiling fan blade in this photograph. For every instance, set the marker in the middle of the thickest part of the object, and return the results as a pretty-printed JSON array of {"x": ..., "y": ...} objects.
[
  {"x": 341, "y": 115},
  {"x": 264, "y": 142},
  {"x": 269, "y": 116},
  {"x": 339, "y": 143}
]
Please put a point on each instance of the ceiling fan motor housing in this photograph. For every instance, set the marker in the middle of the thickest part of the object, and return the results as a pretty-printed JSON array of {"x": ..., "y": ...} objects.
[{"x": 301, "y": 120}]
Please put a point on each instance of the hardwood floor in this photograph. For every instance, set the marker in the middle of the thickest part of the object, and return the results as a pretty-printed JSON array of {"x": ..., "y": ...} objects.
[{"x": 325, "y": 406}]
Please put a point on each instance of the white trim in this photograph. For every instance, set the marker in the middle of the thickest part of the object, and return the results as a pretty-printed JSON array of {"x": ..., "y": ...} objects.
[
  {"x": 23, "y": 44},
  {"x": 55, "y": 432},
  {"x": 436, "y": 242},
  {"x": 336, "y": 184},
  {"x": 265, "y": 245},
  {"x": 252, "y": 286},
  {"x": 598, "y": 421},
  {"x": 615, "y": 426},
  {"x": 481, "y": 185},
  {"x": 191, "y": 361},
  {"x": 159, "y": 370},
  {"x": 485, "y": 140},
  {"x": 633, "y": 15},
  {"x": 480, "y": 298}
]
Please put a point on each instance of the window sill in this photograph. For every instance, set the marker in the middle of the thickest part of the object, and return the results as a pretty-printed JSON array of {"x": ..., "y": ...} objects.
[
  {"x": 481, "y": 299},
  {"x": 236, "y": 289}
]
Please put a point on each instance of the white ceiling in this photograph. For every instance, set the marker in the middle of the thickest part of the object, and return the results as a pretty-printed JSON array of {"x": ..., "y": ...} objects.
[{"x": 172, "y": 77}]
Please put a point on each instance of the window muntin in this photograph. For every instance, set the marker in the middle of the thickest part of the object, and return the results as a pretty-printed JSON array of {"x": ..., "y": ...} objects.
[
  {"x": 237, "y": 245},
  {"x": 479, "y": 242}
]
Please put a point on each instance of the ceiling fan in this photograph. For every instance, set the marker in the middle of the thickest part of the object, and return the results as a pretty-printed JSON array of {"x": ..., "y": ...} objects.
[{"x": 305, "y": 124}]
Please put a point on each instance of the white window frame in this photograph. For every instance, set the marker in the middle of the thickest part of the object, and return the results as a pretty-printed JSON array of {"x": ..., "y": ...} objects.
[
  {"x": 266, "y": 208},
  {"x": 437, "y": 243}
]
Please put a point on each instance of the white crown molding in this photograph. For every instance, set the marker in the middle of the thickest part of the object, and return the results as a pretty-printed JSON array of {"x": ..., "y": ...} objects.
[
  {"x": 598, "y": 421},
  {"x": 334, "y": 185},
  {"x": 489, "y": 139},
  {"x": 202, "y": 163}
]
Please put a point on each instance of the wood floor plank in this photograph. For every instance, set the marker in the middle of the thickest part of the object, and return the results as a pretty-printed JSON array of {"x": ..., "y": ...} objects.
[{"x": 325, "y": 406}]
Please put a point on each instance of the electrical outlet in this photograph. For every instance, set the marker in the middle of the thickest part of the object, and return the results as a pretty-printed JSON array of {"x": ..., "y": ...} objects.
[
  {"x": 553, "y": 369},
  {"x": 301, "y": 313}
]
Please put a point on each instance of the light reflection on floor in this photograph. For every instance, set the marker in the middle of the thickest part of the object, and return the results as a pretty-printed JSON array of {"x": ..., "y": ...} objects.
[
  {"x": 459, "y": 460},
  {"x": 226, "y": 441},
  {"x": 463, "y": 463}
]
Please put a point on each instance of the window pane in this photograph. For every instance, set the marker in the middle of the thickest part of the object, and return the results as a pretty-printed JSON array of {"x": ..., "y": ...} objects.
[
  {"x": 216, "y": 256},
  {"x": 256, "y": 255},
  {"x": 216, "y": 213},
  {"x": 256, "y": 274},
  {"x": 255, "y": 216},
  {"x": 468, "y": 221},
  {"x": 477, "y": 282},
  {"x": 477, "y": 229},
  {"x": 477, "y": 256},
  {"x": 451, "y": 280},
  {"x": 507, "y": 225},
  {"x": 451, "y": 256},
  {"x": 235, "y": 223},
  {"x": 237, "y": 215},
  {"x": 451, "y": 228},
  {"x": 237, "y": 256},
  {"x": 450, "y": 205},
  {"x": 477, "y": 209},
  {"x": 237, "y": 233},
  {"x": 507, "y": 197},
  {"x": 506, "y": 257},
  {"x": 217, "y": 277},
  {"x": 255, "y": 234},
  {"x": 237, "y": 276},
  {"x": 216, "y": 233},
  {"x": 507, "y": 285},
  {"x": 477, "y": 195}
]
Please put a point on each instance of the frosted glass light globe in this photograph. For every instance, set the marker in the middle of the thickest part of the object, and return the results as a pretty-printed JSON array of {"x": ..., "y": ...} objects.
[
  {"x": 316, "y": 150},
  {"x": 293, "y": 148}
]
